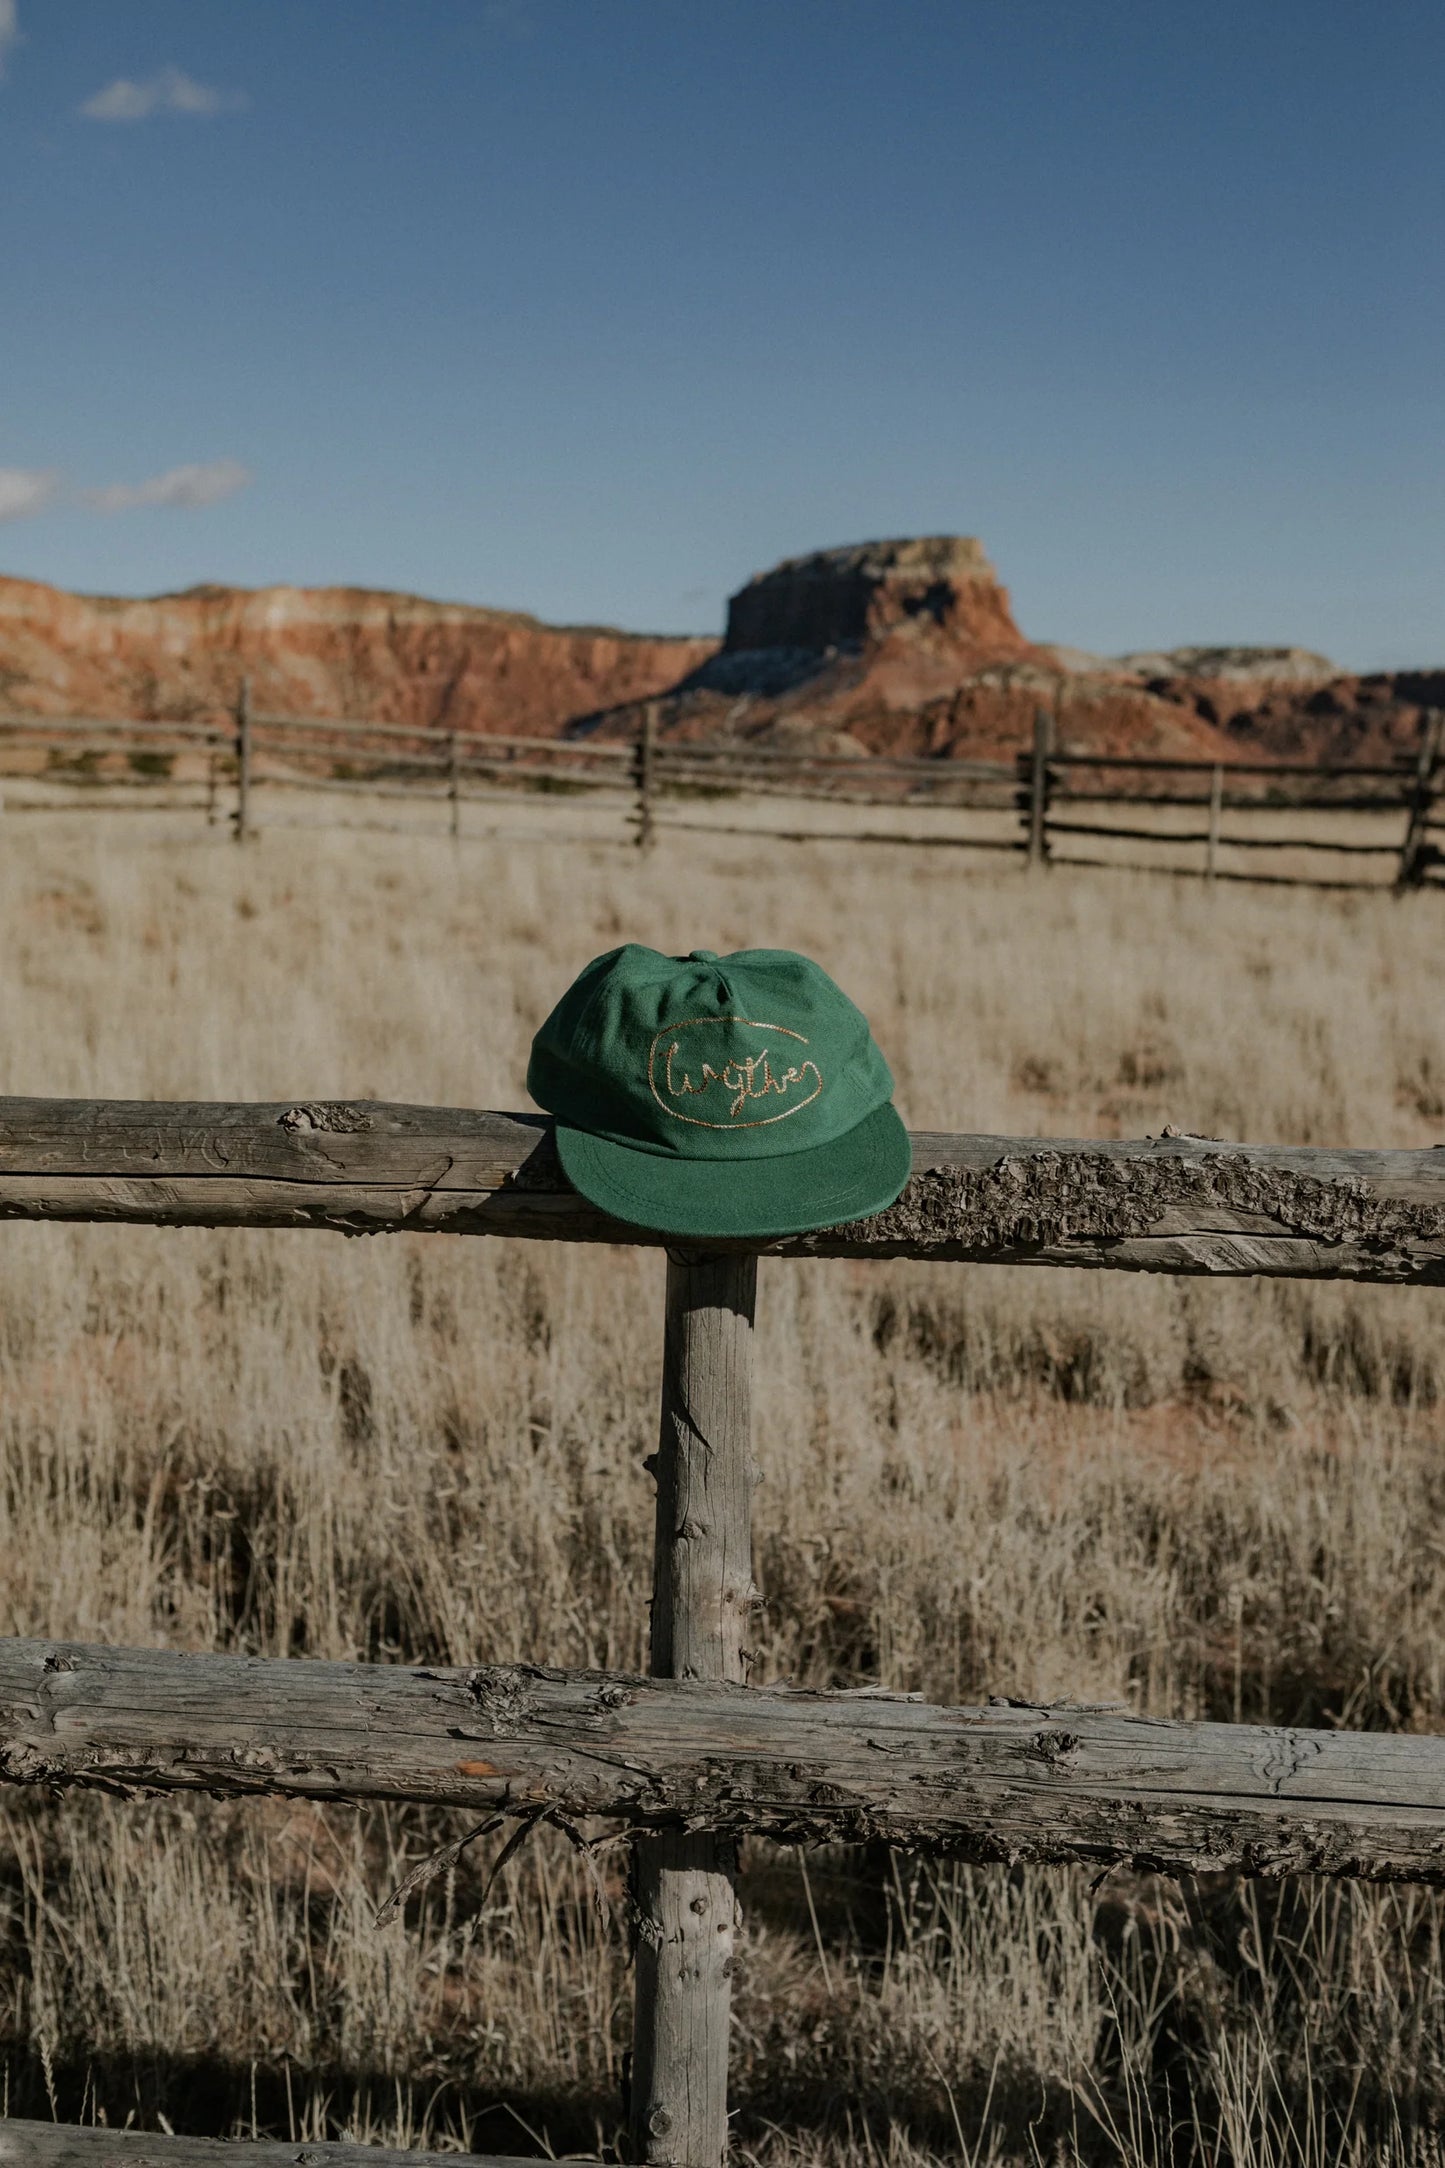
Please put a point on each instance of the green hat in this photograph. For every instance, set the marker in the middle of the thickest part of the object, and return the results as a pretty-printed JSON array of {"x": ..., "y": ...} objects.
[{"x": 724, "y": 1096}]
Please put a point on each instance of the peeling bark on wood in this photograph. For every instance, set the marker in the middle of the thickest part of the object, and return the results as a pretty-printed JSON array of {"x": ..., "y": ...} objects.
[
  {"x": 74, "y": 2145},
  {"x": 998, "y": 1782},
  {"x": 1178, "y": 1204}
]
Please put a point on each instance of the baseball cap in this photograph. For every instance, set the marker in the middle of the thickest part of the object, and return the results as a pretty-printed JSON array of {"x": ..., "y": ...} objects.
[{"x": 723, "y": 1096}]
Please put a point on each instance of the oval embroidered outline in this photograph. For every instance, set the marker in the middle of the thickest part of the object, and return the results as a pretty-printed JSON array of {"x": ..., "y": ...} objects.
[{"x": 750, "y": 1024}]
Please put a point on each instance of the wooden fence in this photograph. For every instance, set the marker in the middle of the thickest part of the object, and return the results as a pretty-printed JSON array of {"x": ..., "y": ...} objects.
[
  {"x": 689, "y": 1758},
  {"x": 1098, "y": 793},
  {"x": 1048, "y": 806}
]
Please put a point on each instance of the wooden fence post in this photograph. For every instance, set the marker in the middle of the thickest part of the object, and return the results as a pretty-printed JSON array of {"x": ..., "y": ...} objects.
[
  {"x": 1039, "y": 787},
  {"x": 454, "y": 784},
  {"x": 646, "y": 758},
  {"x": 1216, "y": 806},
  {"x": 243, "y": 762},
  {"x": 684, "y": 1894},
  {"x": 1412, "y": 850}
]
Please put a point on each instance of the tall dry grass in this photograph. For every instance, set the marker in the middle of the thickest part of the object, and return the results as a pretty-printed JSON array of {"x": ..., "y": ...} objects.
[{"x": 1209, "y": 1499}]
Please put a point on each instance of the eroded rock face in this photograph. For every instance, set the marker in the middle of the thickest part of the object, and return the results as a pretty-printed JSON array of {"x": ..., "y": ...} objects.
[
  {"x": 900, "y": 646},
  {"x": 940, "y": 586},
  {"x": 1228, "y": 666},
  {"x": 910, "y": 647},
  {"x": 860, "y": 641},
  {"x": 897, "y": 646},
  {"x": 335, "y": 651}
]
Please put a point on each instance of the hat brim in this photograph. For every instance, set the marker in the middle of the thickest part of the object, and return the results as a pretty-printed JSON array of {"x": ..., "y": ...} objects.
[{"x": 790, "y": 1193}]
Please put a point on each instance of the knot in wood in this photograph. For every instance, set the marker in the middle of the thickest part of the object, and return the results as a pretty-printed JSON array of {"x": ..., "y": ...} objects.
[
  {"x": 331, "y": 1116},
  {"x": 24, "y": 1765},
  {"x": 614, "y": 1695},
  {"x": 1054, "y": 1746},
  {"x": 502, "y": 1697}
]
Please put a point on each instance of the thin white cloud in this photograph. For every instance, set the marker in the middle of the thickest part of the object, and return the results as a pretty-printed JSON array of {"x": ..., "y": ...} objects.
[
  {"x": 188, "y": 487},
  {"x": 26, "y": 490},
  {"x": 172, "y": 91},
  {"x": 9, "y": 29}
]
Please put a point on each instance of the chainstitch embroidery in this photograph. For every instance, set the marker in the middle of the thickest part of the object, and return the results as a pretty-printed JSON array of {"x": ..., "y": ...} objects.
[{"x": 683, "y": 1072}]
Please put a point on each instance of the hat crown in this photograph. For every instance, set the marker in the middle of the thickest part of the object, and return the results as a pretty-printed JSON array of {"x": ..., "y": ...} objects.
[{"x": 708, "y": 1057}]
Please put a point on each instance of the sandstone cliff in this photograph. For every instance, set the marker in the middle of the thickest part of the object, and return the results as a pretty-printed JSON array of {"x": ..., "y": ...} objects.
[
  {"x": 911, "y": 647},
  {"x": 332, "y": 651},
  {"x": 897, "y": 646},
  {"x": 907, "y": 647},
  {"x": 939, "y": 593}
]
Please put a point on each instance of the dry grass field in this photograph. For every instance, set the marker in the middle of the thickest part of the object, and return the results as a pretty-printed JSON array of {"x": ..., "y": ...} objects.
[{"x": 1224, "y": 1500}]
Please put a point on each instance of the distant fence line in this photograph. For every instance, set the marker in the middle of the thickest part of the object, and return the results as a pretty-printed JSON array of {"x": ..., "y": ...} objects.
[
  {"x": 1054, "y": 804},
  {"x": 1410, "y": 787}
]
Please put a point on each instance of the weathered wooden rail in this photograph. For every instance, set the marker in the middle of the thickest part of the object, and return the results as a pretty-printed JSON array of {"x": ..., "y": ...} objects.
[
  {"x": 689, "y": 1758},
  {"x": 1163, "y": 1204},
  {"x": 68, "y": 2145},
  {"x": 705, "y": 1760}
]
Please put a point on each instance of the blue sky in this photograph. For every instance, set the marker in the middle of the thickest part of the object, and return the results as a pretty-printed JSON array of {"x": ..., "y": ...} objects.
[{"x": 595, "y": 307}]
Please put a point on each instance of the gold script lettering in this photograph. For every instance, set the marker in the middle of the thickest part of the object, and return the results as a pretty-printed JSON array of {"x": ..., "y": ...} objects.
[{"x": 741, "y": 1078}]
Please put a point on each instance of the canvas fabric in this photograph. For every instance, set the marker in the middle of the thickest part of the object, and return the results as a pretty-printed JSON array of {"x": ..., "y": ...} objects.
[{"x": 727, "y": 1096}]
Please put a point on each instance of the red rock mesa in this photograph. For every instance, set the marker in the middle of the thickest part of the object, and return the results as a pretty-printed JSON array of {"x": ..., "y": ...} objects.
[
  {"x": 902, "y": 646},
  {"x": 330, "y": 651}
]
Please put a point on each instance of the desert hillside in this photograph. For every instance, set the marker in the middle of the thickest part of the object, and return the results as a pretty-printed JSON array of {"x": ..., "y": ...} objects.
[
  {"x": 320, "y": 651},
  {"x": 912, "y": 647},
  {"x": 904, "y": 646}
]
